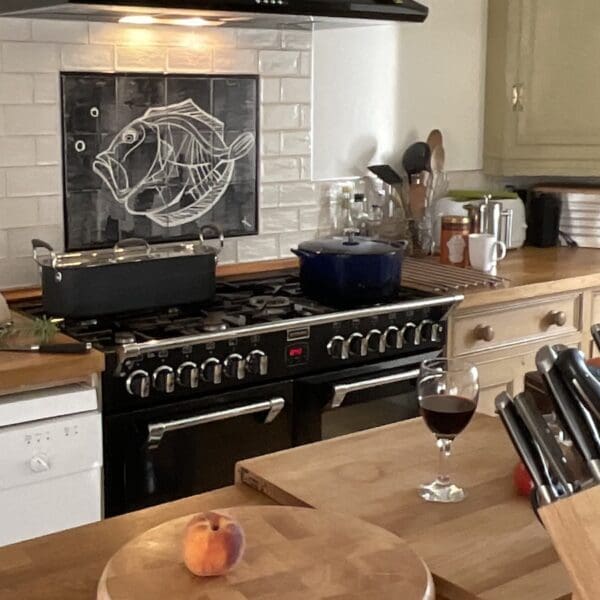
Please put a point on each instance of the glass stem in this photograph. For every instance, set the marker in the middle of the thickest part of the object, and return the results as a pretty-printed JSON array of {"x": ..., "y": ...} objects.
[{"x": 445, "y": 446}]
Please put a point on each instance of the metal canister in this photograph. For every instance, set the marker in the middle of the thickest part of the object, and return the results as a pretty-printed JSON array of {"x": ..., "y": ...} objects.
[{"x": 454, "y": 241}]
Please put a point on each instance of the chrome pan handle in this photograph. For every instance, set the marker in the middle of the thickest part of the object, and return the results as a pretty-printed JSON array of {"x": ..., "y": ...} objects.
[
  {"x": 217, "y": 231},
  {"x": 342, "y": 390},
  {"x": 156, "y": 431},
  {"x": 37, "y": 244},
  {"x": 130, "y": 245}
]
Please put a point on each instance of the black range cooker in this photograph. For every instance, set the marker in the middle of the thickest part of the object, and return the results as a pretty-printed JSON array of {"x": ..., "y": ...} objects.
[{"x": 188, "y": 391}]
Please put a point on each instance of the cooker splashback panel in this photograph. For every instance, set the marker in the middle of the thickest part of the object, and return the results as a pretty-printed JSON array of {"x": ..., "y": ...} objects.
[{"x": 158, "y": 156}]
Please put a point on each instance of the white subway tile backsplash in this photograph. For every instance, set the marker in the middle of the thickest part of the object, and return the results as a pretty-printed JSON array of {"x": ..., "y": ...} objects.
[
  {"x": 3, "y": 244},
  {"x": 270, "y": 143},
  {"x": 269, "y": 89},
  {"x": 115, "y": 33},
  {"x": 215, "y": 38},
  {"x": 280, "y": 116},
  {"x": 16, "y": 88},
  {"x": 17, "y": 151},
  {"x": 50, "y": 210},
  {"x": 45, "y": 88},
  {"x": 258, "y": 38},
  {"x": 32, "y": 181},
  {"x": 305, "y": 64},
  {"x": 305, "y": 116},
  {"x": 75, "y": 32},
  {"x": 293, "y": 239},
  {"x": 226, "y": 60},
  {"x": 279, "y": 220},
  {"x": 47, "y": 150},
  {"x": 313, "y": 218},
  {"x": 305, "y": 167},
  {"x": 189, "y": 60},
  {"x": 278, "y": 62},
  {"x": 296, "y": 40},
  {"x": 87, "y": 58},
  {"x": 280, "y": 169},
  {"x": 15, "y": 29},
  {"x": 2, "y": 183},
  {"x": 18, "y": 212},
  {"x": 269, "y": 196},
  {"x": 296, "y": 90},
  {"x": 19, "y": 240},
  {"x": 261, "y": 247},
  {"x": 141, "y": 58},
  {"x": 35, "y": 119},
  {"x": 298, "y": 194},
  {"x": 295, "y": 142},
  {"x": 18, "y": 272},
  {"x": 20, "y": 57}
]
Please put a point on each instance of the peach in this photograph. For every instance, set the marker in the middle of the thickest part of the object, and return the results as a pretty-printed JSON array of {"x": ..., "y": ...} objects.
[{"x": 213, "y": 544}]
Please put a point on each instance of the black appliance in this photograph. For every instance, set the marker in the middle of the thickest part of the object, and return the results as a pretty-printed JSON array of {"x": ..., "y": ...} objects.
[
  {"x": 542, "y": 213},
  {"x": 237, "y": 13},
  {"x": 190, "y": 390}
]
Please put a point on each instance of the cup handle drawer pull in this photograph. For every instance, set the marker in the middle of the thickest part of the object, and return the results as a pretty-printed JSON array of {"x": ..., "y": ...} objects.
[
  {"x": 484, "y": 333},
  {"x": 558, "y": 318}
]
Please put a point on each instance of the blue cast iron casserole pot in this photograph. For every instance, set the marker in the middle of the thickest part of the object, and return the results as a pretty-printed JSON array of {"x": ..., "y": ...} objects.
[{"x": 350, "y": 271}]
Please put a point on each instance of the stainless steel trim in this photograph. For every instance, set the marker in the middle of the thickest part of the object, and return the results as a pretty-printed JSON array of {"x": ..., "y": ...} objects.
[
  {"x": 341, "y": 390},
  {"x": 144, "y": 388},
  {"x": 137, "y": 349},
  {"x": 156, "y": 431},
  {"x": 194, "y": 377}
]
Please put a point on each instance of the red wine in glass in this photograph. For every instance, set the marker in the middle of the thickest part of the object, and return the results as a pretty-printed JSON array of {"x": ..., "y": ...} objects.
[{"x": 447, "y": 415}]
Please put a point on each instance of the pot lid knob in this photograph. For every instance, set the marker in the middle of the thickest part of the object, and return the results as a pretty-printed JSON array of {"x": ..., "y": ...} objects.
[{"x": 350, "y": 233}]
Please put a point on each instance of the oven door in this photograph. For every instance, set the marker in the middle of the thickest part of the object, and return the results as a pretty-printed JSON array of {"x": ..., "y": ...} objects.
[
  {"x": 355, "y": 399},
  {"x": 161, "y": 454}
]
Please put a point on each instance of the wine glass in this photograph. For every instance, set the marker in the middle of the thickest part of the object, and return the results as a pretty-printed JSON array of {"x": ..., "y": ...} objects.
[{"x": 448, "y": 391}]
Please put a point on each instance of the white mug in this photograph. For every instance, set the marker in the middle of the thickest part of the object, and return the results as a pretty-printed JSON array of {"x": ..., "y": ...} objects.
[{"x": 485, "y": 251}]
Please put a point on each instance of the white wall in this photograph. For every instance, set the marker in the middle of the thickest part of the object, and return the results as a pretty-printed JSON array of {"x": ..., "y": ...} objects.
[{"x": 380, "y": 88}]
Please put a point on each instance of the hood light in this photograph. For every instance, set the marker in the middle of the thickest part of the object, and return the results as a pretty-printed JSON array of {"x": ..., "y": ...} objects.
[
  {"x": 138, "y": 20},
  {"x": 195, "y": 22}
]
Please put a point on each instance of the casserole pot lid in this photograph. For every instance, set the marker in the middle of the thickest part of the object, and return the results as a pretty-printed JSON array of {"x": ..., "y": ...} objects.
[{"x": 350, "y": 245}]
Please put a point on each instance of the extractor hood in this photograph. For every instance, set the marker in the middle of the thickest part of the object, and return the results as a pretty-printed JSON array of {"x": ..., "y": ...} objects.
[{"x": 300, "y": 14}]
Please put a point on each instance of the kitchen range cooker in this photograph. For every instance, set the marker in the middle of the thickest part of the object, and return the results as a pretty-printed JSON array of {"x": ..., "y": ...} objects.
[{"x": 190, "y": 390}]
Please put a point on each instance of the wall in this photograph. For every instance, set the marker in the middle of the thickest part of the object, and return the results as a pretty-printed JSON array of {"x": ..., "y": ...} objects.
[
  {"x": 34, "y": 52},
  {"x": 378, "y": 89}
]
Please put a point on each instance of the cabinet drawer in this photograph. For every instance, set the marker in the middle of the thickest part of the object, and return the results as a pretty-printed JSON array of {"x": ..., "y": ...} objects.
[{"x": 527, "y": 321}]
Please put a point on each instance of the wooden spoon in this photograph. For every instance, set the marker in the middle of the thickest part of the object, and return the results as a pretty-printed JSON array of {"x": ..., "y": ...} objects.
[{"x": 435, "y": 139}]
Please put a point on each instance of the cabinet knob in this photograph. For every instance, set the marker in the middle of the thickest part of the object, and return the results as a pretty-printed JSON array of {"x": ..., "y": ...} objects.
[
  {"x": 558, "y": 318},
  {"x": 485, "y": 333}
]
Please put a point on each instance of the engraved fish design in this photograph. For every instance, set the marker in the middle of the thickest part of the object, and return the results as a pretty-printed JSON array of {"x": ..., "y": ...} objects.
[{"x": 171, "y": 164}]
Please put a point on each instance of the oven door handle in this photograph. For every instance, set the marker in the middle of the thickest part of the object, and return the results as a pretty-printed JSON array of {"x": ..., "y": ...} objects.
[
  {"x": 341, "y": 390},
  {"x": 156, "y": 431}
]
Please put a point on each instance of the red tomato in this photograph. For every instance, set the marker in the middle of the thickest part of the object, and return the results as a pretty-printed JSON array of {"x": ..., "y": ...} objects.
[{"x": 522, "y": 480}]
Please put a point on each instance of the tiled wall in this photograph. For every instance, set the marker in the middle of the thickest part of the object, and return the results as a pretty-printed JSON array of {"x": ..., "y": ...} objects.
[{"x": 32, "y": 54}]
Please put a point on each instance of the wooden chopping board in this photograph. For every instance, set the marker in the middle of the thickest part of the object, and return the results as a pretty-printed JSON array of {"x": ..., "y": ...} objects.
[{"x": 291, "y": 554}]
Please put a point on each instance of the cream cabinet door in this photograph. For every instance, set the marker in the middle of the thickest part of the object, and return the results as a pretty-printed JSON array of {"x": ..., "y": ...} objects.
[{"x": 544, "y": 77}]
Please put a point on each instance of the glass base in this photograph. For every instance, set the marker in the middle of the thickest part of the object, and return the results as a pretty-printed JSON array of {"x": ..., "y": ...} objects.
[{"x": 439, "y": 491}]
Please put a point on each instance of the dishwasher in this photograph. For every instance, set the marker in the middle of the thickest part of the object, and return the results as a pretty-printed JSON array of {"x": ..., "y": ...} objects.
[{"x": 50, "y": 461}]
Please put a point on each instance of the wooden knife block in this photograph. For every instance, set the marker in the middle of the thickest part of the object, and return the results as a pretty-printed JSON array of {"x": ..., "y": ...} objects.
[{"x": 574, "y": 526}]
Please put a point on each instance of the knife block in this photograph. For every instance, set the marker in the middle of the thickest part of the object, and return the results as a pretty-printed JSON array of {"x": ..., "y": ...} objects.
[{"x": 574, "y": 526}]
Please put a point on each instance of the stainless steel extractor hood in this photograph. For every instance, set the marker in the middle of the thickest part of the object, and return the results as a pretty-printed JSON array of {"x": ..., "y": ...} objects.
[{"x": 301, "y": 14}]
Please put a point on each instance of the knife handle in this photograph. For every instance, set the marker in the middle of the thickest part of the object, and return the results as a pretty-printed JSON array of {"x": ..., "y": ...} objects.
[
  {"x": 73, "y": 348},
  {"x": 579, "y": 379}
]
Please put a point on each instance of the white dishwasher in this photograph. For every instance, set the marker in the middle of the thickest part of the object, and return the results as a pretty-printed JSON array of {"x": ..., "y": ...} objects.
[{"x": 50, "y": 461}]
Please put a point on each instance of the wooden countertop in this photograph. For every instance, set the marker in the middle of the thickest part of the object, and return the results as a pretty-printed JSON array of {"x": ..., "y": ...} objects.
[
  {"x": 21, "y": 371},
  {"x": 535, "y": 272},
  {"x": 488, "y": 547},
  {"x": 68, "y": 565}
]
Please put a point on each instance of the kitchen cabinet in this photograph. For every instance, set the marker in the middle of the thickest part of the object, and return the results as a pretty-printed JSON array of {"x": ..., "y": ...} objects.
[{"x": 542, "y": 88}]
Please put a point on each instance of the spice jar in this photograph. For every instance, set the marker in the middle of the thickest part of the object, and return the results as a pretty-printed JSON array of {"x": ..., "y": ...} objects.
[{"x": 454, "y": 241}]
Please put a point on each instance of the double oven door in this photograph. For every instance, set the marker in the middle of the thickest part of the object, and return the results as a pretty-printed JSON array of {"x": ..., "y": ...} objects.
[
  {"x": 343, "y": 402},
  {"x": 160, "y": 454}
]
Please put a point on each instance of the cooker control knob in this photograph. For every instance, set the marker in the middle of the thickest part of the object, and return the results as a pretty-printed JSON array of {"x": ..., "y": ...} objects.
[
  {"x": 188, "y": 375},
  {"x": 39, "y": 463},
  {"x": 409, "y": 334},
  {"x": 257, "y": 362},
  {"x": 138, "y": 384},
  {"x": 375, "y": 341},
  {"x": 337, "y": 347},
  {"x": 235, "y": 366},
  {"x": 392, "y": 337},
  {"x": 427, "y": 331},
  {"x": 357, "y": 344},
  {"x": 163, "y": 379},
  {"x": 211, "y": 371}
]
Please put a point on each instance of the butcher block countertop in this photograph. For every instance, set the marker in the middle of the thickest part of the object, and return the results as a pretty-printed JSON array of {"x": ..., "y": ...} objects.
[
  {"x": 68, "y": 565},
  {"x": 533, "y": 272},
  {"x": 488, "y": 547},
  {"x": 25, "y": 371}
]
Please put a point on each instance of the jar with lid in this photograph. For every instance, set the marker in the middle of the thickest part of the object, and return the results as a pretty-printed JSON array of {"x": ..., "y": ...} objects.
[{"x": 454, "y": 240}]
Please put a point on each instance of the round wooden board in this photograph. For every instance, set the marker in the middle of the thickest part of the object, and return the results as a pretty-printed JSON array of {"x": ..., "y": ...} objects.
[{"x": 291, "y": 554}]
